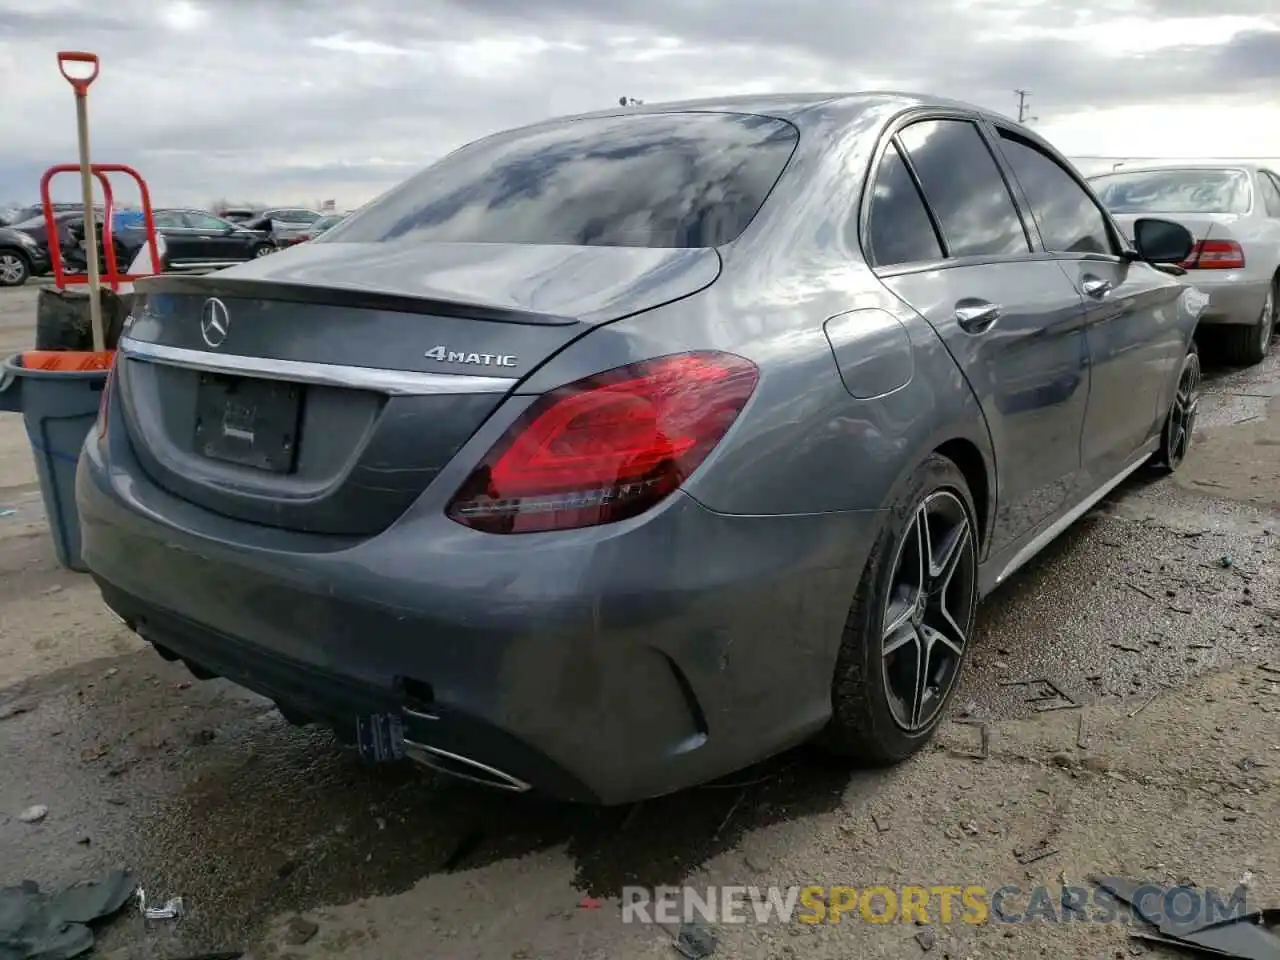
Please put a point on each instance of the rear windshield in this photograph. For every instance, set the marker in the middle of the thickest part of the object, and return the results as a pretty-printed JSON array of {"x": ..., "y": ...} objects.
[
  {"x": 638, "y": 180},
  {"x": 1175, "y": 191}
]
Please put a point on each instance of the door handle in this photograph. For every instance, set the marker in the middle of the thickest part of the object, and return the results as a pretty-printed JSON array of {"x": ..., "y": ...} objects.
[
  {"x": 975, "y": 316},
  {"x": 1096, "y": 287}
]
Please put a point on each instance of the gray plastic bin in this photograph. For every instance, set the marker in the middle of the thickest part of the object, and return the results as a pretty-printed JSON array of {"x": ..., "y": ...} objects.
[{"x": 59, "y": 408}]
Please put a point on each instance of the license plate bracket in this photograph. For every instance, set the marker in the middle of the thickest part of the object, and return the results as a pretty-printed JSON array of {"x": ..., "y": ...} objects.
[{"x": 248, "y": 421}]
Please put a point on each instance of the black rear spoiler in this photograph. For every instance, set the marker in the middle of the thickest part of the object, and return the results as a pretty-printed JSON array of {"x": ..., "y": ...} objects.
[{"x": 212, "y": 285}]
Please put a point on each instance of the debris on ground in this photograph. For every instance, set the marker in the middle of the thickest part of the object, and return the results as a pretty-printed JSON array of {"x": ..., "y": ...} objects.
[
  {"x": 171, "y": 909},
  {"x": 695, "y": 941},
  {"x": 926, "y": 938},
  {"x": 1246, "y": 936},
  {"x": 34, "y": 813},
  {"x": 1039, "y": 852},
  {"x": 13, "y": 710},
  {"x": 300, "y": 930},
  {"x": 39, "y": 926}
]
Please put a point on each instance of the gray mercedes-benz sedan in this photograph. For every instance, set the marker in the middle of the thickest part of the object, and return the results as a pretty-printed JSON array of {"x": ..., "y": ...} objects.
[{"x": 612, "y": 454}]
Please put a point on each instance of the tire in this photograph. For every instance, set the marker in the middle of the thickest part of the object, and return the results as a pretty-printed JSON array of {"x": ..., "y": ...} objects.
[
  {"x": 1244, "y": 346},
  {"x": 15, "y": 268},
  {"x": 867, "y": 723},
  {"x": 1180, "y": 422},
  {"x": 262, "y": 250}
]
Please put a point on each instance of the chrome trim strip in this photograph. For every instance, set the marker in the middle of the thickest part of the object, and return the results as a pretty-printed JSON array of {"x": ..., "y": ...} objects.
[
  {"x": 397, "y": 382},
  {"x": 500, "y": 781},
  {"x": 1055, "y": 529}
]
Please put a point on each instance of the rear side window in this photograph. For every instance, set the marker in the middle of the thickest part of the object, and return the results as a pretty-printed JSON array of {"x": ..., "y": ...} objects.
[
  {"x": 1271, "y": 193},
  {"x": 899, "y": 230},
  {"x": 964, "y": 188},
  {"x": 638, "y": 180},
  {"x": 1069, "y": 219}
]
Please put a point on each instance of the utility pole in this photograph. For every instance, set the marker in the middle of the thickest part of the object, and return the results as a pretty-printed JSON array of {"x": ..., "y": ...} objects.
[{"x": 1023, "y": 113}]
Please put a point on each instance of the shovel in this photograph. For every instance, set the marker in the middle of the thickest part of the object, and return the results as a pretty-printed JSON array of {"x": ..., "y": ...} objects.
[{"x": 84, "y": 72}]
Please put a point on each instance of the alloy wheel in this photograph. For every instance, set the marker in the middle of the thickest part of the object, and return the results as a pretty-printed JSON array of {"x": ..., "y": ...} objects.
[
  {"x": 12, "y": 270},
  {"x": 261, "y": 252},
  {"x": 929, "y": 610},
  {"x": 1182, "y": 415}
]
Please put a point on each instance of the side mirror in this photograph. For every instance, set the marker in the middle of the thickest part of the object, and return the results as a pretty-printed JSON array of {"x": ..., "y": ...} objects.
[{"x": 1162, "y": 241}]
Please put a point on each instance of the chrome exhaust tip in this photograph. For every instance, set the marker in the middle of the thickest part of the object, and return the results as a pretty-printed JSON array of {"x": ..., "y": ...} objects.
[{"x": 463, "y": 768}]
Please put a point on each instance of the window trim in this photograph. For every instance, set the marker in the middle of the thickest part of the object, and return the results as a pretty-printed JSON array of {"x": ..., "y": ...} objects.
[
  {"x": 892, "y": 143},
  {"x": 889, "y": 135},
  {"x": 1007, "y": 132}
]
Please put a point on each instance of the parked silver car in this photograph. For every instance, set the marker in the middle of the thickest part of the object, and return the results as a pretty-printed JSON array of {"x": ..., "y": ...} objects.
[
  {"x": 1233, "y": 212},
  {"x": 611, "y": 455}
]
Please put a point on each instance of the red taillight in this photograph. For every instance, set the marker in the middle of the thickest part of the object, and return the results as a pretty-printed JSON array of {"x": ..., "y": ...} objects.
[
  {"x": 608, "y": 447},
  {"x": 1215, "y": 255}
]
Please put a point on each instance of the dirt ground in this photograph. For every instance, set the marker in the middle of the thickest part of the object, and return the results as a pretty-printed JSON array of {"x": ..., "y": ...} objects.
[{"x": 1157, "y": 619}]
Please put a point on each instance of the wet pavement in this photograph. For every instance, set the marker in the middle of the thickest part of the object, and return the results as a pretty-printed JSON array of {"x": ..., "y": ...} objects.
[{"x": 207, "y": 793}]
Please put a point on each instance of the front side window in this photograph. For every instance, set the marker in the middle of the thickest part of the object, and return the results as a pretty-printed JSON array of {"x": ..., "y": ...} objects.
[
  {"x": 203, "y": 221},
  {"x": 168, "y": 220},
  {"x": 899, "y": 229},
  {"x": 1174, "y": 191},
  {"x": 1068, "y": 218},
  {"x": 964, "y": 189},
  {"x": 634, "y": 180}
]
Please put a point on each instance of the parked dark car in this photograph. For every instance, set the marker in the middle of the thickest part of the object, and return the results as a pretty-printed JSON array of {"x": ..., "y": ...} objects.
[
  {"x": 21, "y": 257},
  {"x": 67, "y": 220},
  {"x": 193, "y": 239},
  {"x": 31, "y": 212},
  {"x": 610, "y": 455}
]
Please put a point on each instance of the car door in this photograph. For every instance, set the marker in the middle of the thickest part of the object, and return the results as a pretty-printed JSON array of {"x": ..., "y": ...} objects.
[
  {"x": 1009, "y": 317},
  {"x": 182, "y": 244},
  {"x": 1135, "y": 338},
  {"x": 217, "y": 240}
]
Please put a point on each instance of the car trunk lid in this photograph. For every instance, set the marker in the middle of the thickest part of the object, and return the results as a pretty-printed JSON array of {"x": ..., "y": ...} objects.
[{"x": 322, "y": 389}]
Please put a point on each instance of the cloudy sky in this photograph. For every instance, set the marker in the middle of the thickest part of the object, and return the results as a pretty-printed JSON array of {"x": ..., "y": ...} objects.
[{"x": 301, "y": 100}]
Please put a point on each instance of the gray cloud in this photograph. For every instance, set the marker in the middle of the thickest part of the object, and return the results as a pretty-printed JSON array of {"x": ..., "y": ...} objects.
[{"x": 299, "y": 98}]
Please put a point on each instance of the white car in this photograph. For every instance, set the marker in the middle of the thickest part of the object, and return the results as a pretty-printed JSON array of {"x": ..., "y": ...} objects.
[{"x": 1233, "y": 212}]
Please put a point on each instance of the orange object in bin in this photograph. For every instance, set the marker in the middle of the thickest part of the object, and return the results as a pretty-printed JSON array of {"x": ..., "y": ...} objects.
[{"x": 70, "y": 360}]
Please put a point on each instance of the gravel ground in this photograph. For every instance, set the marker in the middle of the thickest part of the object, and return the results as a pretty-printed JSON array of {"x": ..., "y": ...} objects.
[{"x": 205, "y": 792}]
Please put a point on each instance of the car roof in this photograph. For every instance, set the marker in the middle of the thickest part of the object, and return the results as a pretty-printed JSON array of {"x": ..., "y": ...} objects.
[
  {"x": 801, "y": 109},
  {"x": 1181, "y": 165}
]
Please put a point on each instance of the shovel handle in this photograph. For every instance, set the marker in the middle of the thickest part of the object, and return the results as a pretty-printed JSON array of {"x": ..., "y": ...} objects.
[{"x": 81, "y": 84}]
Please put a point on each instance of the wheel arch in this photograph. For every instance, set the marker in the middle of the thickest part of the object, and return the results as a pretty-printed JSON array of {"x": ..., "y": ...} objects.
[{"x": 977, "y": 471}]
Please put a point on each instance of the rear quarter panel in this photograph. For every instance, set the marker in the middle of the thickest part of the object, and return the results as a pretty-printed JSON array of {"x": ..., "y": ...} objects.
[{"x": 803, "y": 444}]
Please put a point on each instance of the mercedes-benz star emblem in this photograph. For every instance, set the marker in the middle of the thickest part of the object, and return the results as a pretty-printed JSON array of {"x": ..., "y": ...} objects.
[{"x": 214, "y": 322}]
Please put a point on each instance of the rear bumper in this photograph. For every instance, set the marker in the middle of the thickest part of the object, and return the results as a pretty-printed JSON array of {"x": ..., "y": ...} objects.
[
  {"x": 1232, "y": 298},
  {"x": 602, "y": 665}
]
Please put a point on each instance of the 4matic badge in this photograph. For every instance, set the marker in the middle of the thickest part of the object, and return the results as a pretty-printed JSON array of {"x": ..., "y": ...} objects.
[{"x": 443, "y": 354}]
